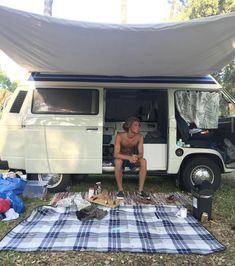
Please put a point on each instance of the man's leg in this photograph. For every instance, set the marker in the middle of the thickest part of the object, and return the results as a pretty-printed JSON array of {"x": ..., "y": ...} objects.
[
  {"x": 118, "y": 173},
  {"x": 142, "y": 173}
]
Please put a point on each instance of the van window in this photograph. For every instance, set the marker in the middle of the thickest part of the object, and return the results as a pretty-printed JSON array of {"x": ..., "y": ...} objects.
[
  {"x": 198, "y": 107},
  {"x": 19, "y": 100},
  {"x": 65, "y": 101},
  {"x": 227, "y": 108},
  {"x": 142, "y": 103},
  {"x": 149, "y": 105}
]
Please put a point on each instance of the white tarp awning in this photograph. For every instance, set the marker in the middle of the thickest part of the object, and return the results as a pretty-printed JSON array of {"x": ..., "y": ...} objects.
[{"x": 47, "y": 44}]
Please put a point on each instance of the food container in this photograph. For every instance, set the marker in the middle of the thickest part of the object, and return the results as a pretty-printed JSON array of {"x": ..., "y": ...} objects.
[{"x": 35, "y": 189}]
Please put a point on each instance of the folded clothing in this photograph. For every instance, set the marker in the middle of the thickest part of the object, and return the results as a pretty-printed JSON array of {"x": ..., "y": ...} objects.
[
  {"x": 73, "y": 201},
  {"x": 10, "y": 215},
  {"x": 2, "y": 216},
  {"x": 5, "y": 205},
  {"x": 90, "y": 212}
]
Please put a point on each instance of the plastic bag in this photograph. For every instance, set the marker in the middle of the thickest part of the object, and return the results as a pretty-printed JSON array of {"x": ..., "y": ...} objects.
[
  {"x": 12, "y": 184},
  {"x": 16, "y": 202}
]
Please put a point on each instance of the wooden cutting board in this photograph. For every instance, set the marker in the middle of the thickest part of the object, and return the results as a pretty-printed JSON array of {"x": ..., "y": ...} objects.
[{"x": 104, "y": 200}]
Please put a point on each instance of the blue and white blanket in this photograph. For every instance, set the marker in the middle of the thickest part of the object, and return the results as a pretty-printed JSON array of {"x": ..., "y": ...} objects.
[{"x": 145, "y": 228}]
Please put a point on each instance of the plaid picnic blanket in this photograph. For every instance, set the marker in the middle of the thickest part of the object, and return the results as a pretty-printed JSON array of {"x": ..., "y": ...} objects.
[{"x": 137, "y": 228}]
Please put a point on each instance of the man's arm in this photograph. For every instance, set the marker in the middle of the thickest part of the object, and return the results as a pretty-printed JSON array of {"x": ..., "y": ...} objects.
[{"x": 141, "y": 147}]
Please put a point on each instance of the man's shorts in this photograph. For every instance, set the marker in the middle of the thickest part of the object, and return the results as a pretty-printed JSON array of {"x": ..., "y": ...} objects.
[{"x": 126, "y": 163}]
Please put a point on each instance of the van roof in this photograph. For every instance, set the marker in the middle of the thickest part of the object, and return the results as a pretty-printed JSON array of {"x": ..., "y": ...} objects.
[{"x": 200, "y": 82}]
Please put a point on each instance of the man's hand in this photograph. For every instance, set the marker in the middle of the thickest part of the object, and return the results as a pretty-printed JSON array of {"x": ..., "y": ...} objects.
[{"x": 133, "y": 158}]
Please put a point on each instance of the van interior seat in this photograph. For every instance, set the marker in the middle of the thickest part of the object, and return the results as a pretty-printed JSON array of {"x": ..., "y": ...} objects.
[
  {"x": 148, "y": 129},
  {"x": 196, "y": 140},
  {"x": 154, "y": 140},
  {"x": 108, "y": 132}
]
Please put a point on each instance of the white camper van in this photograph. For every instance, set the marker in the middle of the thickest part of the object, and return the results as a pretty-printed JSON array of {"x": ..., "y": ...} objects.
[{"x": 59, "y": 125}]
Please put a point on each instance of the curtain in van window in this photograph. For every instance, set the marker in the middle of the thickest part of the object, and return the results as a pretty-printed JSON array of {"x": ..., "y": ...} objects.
[{"x": 200, "y": 108}]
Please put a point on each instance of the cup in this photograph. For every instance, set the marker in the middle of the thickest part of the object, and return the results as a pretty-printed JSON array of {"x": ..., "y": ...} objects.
[
  {"x": 182, "y": 213},
  {"x": 91, "y": 192}
]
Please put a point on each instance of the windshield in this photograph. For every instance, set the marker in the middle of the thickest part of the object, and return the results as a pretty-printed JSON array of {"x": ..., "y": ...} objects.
[{"x": 227, "y": 105}]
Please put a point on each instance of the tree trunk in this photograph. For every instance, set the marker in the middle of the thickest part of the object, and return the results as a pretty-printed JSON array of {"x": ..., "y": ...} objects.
[
  {"x": 48, "y": 7},
  {"x": 173, "y": 9},
  {"x": 124, "y": 11}
]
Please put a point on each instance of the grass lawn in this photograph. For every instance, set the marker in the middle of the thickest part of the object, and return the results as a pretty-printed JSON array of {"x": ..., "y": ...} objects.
[{"x": 220, "y": 227}]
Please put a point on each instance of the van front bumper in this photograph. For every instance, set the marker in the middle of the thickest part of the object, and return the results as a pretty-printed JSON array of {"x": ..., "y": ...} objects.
[{"x": 4, "y": 165}]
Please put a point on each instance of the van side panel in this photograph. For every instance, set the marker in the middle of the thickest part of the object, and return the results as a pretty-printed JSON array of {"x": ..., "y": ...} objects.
[
  {"x": 12, "y": 141},
  {"x": 35, "y": 149},
  {"x": 174, "y": 161},
  {"x": 61, "y": 148},
  {"x": 156, "y": 156},
  {"x": 65, "y": 143}
]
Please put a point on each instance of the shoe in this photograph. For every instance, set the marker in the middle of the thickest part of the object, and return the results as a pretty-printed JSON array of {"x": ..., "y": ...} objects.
[
  {"x": 120, "y": 195},
  {"x": 170, "y": 198},
  {"x": 142, "y": 194}
]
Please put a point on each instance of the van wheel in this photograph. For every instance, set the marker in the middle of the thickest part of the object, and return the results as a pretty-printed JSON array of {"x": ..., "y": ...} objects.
[
  {"x": 197, "y": 170},
  {"x": 56, "y": 182}
]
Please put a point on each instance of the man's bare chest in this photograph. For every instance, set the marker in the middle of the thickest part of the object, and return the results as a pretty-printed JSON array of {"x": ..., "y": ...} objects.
[{"x": 127, "y": 142}]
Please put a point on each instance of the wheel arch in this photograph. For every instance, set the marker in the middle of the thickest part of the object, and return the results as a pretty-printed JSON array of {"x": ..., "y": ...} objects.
[
  {"x": 61, "y": 185},
  {"x": 180, "y": 181},
  {"x": 214, "y": 157}
]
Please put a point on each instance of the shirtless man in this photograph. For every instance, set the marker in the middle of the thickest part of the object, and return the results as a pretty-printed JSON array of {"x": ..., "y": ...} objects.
[{"x": 128, "y": 152}]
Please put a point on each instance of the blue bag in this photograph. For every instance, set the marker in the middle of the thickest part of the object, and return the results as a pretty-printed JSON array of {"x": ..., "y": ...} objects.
[
  {"x": 17, "y": 203},
  {"x": 12, "y": 184}
]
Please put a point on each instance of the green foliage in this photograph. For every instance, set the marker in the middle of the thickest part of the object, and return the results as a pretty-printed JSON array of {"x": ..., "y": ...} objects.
[
  {"x": 203, "y": 8},
  {"x": 226, "y": 77},
  {"x": 198, "y": 8},
  {"x": 5, "y": 82}
]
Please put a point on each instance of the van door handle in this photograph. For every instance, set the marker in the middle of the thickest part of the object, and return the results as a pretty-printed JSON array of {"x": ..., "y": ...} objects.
[{"x": 92, "y": 128}]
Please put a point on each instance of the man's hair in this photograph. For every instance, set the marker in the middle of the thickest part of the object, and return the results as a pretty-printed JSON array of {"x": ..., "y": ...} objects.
[{"x": 130, "y": 120}]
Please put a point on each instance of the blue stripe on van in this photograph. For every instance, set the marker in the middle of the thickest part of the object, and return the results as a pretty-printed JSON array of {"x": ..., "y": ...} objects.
[{"x": 121, "y": 79}]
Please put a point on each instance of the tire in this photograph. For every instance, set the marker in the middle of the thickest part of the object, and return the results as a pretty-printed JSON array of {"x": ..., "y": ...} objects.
[
  {"x": 196, "y": 170},
  {"x": 57, "y": 182}
]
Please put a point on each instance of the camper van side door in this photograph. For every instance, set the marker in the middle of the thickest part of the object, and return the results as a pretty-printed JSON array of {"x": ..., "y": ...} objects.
[{"x": 65, "y": 131}]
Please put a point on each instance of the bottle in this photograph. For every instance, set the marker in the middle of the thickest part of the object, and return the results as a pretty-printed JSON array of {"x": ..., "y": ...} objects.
[
  {"x": 91, "y": 192},
  {"x": 98, "y": 188},
  {"x": 95, "y": 189},
  {"x": 179, "y": 142},
  {"x": 204, "y": 217},
  {"x": 187, "y": 145}
]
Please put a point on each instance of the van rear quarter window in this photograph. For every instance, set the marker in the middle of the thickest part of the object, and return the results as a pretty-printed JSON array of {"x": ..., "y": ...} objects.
[
  {"x": 65, "y": 101},
  {"x": 19, "y": 100}
]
